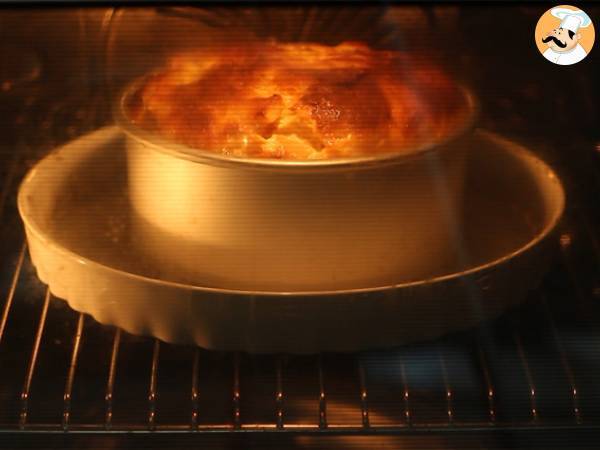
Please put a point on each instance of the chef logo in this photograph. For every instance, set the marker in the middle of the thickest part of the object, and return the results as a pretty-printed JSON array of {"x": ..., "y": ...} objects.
[{"x": 564, "y": 35}]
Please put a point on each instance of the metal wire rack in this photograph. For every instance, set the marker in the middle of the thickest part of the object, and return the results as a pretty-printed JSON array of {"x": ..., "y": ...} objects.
[{"x": 65, "y": 372}]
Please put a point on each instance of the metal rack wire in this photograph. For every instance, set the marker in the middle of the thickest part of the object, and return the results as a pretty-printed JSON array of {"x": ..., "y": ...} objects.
[{"x": 374, "y": 371}]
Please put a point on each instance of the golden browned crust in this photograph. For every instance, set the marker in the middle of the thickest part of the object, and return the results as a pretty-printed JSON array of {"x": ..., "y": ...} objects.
[{"x": 300, "y": 101}]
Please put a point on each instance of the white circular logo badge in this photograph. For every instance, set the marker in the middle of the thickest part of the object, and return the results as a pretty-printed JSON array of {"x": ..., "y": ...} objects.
[{"x": 564, "y": 35}]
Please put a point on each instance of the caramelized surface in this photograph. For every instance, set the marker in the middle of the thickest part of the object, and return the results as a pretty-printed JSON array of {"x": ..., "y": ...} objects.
[{"x": 300, "y": 101}]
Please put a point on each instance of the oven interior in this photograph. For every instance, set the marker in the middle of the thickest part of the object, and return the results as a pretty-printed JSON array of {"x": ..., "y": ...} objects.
[{"x": 527, "y": 378}]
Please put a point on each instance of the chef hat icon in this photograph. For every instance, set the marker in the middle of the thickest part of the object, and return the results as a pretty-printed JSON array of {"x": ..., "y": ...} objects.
[{"x": 571, "y": 19}]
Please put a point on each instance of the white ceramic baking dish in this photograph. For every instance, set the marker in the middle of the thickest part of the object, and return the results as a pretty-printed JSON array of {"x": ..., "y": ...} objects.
[{"x": 76, "y": 210}]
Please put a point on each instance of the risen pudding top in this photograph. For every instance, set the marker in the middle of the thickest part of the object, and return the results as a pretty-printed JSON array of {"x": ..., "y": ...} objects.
[{"x": 299, "y": 101}]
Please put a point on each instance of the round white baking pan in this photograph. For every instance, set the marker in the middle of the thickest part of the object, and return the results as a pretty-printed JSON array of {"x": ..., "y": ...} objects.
[{"x": 77, "y": 212}]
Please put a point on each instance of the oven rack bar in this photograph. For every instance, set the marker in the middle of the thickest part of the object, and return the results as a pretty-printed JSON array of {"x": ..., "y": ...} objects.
[
  {"x": 404, "y": 422},
  {"x": 304, "y": 430}
]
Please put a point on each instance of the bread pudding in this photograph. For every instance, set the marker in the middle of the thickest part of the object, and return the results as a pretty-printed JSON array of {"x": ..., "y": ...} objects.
[{"x": 299, "y": 101}]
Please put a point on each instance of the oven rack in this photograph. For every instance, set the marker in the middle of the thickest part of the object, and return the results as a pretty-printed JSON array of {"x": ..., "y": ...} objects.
[{"x": 501, "y": 376}]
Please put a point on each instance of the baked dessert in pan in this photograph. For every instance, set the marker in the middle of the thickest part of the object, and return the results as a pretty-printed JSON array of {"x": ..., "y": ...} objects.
[
  {"x": 297, "y": 167},
  {"x": 299, "y": 101}
]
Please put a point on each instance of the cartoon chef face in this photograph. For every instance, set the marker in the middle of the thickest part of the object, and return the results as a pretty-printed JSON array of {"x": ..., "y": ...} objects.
[{"x": 561, "y": 39}]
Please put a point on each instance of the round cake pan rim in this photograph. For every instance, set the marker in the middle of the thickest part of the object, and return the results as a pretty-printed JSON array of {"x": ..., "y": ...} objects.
[
  {"x": 537, "y": 239},
  {"x": 181, "y": 151}
]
